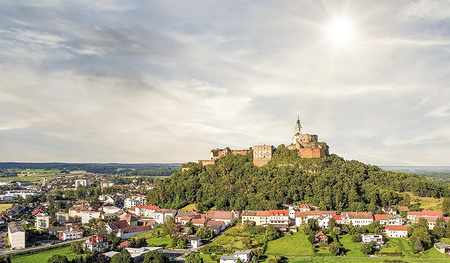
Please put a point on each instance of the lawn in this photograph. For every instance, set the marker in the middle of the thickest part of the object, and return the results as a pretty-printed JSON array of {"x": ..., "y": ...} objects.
[
  {"x": 3, "y": 207},
  {"x": 233, "y": 239},
  {"x": 402, "y": 245},
  {"x": 427, "y": 202},
  {"x": 352, "y": 249},
  {"x": 296, "y": 244},
  {"x": 159, "y": 242},
  {"x": 355, "y": 260},
  {"x": 189, "y": 207},
  {"x": 43, "y": 256}
]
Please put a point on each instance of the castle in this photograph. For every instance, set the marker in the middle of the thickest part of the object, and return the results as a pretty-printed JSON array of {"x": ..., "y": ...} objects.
[{"x": 308, "y": 146}]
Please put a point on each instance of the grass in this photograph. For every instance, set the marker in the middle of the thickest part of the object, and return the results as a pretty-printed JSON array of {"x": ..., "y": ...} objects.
[
  {"x": 233, "y": 239},
  {"x": 159, "y": 242},
  {"x": 189, "y": 207},
  {"x": 43, "y": 256},
  {"x": 352, "y": 249},
  {"x": 36, "y": 175},
  {"x": 296, "y": 244},
  {"x": 427, "y": 202},
  {"x": 354, "y": 260},
  {"x": 3, "y": 207}
]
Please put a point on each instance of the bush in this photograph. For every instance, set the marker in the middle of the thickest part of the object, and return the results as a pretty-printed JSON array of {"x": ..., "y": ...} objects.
[{"x": 356, "y": 238}]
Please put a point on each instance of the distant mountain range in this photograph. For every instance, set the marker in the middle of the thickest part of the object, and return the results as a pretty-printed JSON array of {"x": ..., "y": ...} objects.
[{"x": 416, "y": 168}]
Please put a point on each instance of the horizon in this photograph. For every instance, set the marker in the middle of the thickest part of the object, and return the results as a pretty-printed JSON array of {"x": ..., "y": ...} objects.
[{"x": 132, "y": 82}]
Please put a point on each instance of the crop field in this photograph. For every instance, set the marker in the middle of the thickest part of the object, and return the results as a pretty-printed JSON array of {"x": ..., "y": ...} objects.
[{"x": 3, "y": 207}]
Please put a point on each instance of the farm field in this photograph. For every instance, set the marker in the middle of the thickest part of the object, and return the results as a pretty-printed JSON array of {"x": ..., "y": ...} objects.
[
  {"x": 37, "y": 175},
  {"x": 427, "y": 202},
  {"x": 189, "y": 207}
]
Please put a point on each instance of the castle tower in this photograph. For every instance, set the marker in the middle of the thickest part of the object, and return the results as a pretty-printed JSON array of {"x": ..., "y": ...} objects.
[
  {"x": 298, "y": 131},
  {"x": 298, "y": 126}
]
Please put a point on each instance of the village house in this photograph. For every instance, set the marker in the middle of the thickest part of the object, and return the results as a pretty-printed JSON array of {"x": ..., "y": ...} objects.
[
  {"x": 321, "y": 237},
  {"x": 243, "y": 255},
  {"x": 225, "y": 216},
  {"x": 74, "y": 232},
  {"x": 389, "y": 210},
  {"x": 95, "y": 243},
  {"x": 357, "y": 218},
  {"x": 192, "y": 241},
  {"x": 146, "y": 210},
  {"x": 87, "y": 215},
  {"x": 259, "y": 217},
  {"x": 396, "y": 231},
  {"x": 412, "y": 216},
  {"x": 378, "y": 239},
  {"x": 279, "y": 218},
  {"x": 162, "y": 215},
  {"x": 442, "y": 247},
  {"x": 183, "y": 217}
]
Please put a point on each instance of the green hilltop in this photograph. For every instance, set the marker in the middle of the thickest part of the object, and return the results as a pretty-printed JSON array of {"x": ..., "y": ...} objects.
[{"x": 331, "y": 183}]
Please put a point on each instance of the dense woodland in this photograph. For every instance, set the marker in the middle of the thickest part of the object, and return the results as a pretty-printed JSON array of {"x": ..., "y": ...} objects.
[{"x": 331, "y": 183}]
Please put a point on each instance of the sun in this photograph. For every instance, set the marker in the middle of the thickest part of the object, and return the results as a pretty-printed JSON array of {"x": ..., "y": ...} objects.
[{"x": 341, "y": 31}]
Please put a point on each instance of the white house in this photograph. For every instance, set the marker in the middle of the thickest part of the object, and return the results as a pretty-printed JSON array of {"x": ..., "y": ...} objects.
[
  {"x": 42, "y": 221},
  {"x": 369, "y": 238},
  {"x": 192, "y": 241},
  {"x": 357, "y": 218},
  {"x": 279, "y": 218},
  {"x": 243, "y": 255},
  {"x": 396, "y": 231},
  {"x": 161, "y": 215},
  {"x": 146, "y": 210},
  {"x": 95, "y": 243}
]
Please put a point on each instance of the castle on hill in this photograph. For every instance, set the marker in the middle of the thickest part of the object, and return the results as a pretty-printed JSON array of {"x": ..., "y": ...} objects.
[{"x": 308, "y": 146}]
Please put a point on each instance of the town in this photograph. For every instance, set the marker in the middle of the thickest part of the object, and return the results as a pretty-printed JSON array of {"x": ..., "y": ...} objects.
[{"x": 107, "y": 215}]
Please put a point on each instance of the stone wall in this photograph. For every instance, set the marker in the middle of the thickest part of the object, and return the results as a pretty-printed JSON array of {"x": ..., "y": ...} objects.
[{"x": 312, "y": 152}]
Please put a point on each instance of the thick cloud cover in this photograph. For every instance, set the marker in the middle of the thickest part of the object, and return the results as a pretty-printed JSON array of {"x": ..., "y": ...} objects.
[{"x": 166, "y": 81}]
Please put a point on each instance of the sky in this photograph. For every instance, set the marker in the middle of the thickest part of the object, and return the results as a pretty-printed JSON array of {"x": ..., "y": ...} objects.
[{"x": 167, "y": 81}]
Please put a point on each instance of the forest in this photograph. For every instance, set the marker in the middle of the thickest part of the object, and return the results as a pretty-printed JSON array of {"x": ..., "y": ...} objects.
[{"x": 331, "y": 183}]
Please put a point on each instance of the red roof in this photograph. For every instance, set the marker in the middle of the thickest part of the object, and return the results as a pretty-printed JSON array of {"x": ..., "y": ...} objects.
[
  {"x": 262, "y": 213},
  {"x": 437, "y": 213},
  {"x": 337, "y": 217},
  {"x": 321, "y": 235},
  {"x": 304, "y": 206},
  {"x": 379, "y": 217},
  {"x": 94, "y": 240},
  {"x": 300, "y": 214},
  {"x": 124, "y": 244},
  {"x": 198, "y": 221},
  {"x": 403, "y": 208},
  {"x": 279, "y": 212},
  {"x": 149, "y": 207},
  {"x": 397, "y": 227},
  {"x": 221, "y": 215}
]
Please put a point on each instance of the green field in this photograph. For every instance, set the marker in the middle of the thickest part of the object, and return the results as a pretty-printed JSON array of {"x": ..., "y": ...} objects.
[
  {"x": 36, "y": 175},
  {"x": 233, "y": 239},
  {"x": 296, "y": 244},
  {"x": 43, "y": 256},
  {"x": 153, "y": 240},
  {"x": 352, "y": 249},
  {"x": 355, "y": 260},
  {"x": 189, "y": 207}
]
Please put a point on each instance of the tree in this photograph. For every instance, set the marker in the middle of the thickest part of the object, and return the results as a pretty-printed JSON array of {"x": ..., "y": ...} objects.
[
  {"x": 169, "y": 227},
  {"x": 58, "y": 259},
  {"x": 332, "y": 224},
  {"x": 271, "y": 233},
  {"x": 123, "y": 257},
  {"x": 311, "y": 238},
  {"x": 5, "y": 259},
  {"x": 335, "y": 248},
  {"x": 369, "y": 248},
  {"x": 439, "y": 228},
  {"x": 76, "y": 247},
  {"x": 336, "y": 230},
  {"x": 204, "y": 232},
  {"x": 181, "y": 243},
  {"x": 446, "y": 206},
  {"x": 155, "y": 257},
  {"x": 194, "y": 258}
]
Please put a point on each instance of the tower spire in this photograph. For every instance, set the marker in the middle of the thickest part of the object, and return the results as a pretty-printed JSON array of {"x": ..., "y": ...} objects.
[{"x": 298, "y": 126}]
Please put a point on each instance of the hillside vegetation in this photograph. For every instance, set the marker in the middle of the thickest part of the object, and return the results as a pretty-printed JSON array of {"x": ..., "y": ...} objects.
[{"x": 331, "y": 183}]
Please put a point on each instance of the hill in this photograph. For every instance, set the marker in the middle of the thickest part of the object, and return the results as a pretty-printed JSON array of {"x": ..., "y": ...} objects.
[{"x": 330, "y": 183}]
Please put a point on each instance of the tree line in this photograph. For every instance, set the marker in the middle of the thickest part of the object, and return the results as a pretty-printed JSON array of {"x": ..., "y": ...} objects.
[{"x": 331, "y": 183}]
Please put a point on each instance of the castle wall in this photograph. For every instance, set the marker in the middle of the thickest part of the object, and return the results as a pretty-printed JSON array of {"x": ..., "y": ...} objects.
[
  {"x": 208, "y": 162},
  {"x": 262, "y": 154},
  {"x": 312, "y": 152}
]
